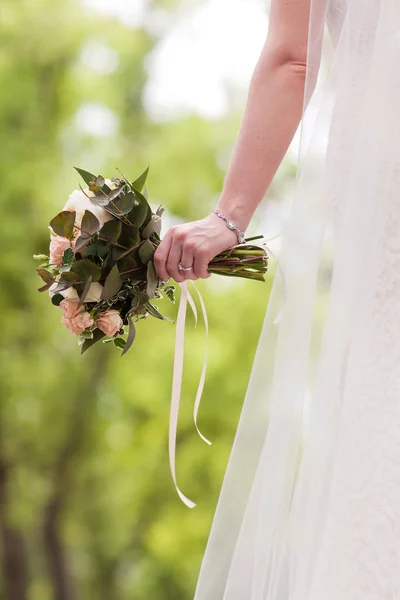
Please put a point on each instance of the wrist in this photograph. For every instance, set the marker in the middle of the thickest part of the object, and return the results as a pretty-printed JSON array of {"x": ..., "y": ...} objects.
[
  {"x": 234, "y": 209},
  {"x": 231, "y": 225}
]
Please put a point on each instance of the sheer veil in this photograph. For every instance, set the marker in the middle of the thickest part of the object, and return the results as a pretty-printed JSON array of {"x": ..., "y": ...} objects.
[{"x": 273, "y": 513}]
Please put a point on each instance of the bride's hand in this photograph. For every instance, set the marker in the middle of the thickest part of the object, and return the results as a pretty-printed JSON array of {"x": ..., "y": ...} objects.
[{"x": 194, "y": 245}]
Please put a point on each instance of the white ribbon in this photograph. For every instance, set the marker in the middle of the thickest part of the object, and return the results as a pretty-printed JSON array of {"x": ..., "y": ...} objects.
[
  {"x": 186, "y": 299},
  {"x": 177, "y": 378}
]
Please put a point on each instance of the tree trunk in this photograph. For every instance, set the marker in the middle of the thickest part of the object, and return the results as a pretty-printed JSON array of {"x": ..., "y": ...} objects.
[
  {"x": 14, "y": 559},
  {"x": 61, "y": 475}
]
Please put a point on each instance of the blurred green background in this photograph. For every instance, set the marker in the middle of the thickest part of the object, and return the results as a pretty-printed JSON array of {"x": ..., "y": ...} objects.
[{"x": 87, "y": 505}]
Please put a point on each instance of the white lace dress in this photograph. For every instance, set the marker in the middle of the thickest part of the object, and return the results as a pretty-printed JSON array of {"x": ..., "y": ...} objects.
[
  {"x": 359, "y": 553},
  {"x": 327, "y": 527}
]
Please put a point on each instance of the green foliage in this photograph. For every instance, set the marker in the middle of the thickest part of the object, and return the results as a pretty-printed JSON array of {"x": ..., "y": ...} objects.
[{"x": 83, "y": 439}]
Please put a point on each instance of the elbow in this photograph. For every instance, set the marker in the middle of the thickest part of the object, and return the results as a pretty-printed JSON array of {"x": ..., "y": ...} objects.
[{"x": 294, "y": 61}]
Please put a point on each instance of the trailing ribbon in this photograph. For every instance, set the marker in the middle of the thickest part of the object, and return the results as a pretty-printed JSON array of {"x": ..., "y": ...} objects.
[{"x": 186, "y": 299}]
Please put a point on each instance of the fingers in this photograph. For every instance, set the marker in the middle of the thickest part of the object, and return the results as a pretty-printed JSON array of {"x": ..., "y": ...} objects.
[
  {"x": 200, "y": 266},
  {"x": 174, "y": 258},
  {"x": 161, "y": 256},
  {"x": 178, "y": 246},
  {"x": 187, "y": 260}
]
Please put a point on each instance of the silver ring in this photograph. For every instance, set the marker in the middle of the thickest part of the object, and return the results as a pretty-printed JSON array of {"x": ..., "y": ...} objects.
[{"x": 182, "y": 268}]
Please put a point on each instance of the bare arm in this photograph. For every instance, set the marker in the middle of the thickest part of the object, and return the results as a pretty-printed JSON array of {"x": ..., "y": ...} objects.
[{"x": 271, "y": 117}]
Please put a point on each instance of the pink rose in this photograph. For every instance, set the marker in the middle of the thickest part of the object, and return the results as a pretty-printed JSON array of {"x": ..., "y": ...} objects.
[
  {"x": 75, "y": 317},
  {"x": 71, "y": 308},
  {"x": 109, "y": 322},
  {"x": 58, "y": 245}
]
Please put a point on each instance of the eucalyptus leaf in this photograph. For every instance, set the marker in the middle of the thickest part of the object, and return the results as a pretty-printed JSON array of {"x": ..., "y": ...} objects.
[
  {"x": 111, "y": 230},
  {"x": 154, "y": 312},
  {"x": 139, "y": 214},
  {"x": 90, "y": 179},
  {"x": 63, "y": 223},
  {"x": 123, "y": 205},
  {"x": 99, "y": 200},
  {"x": 140, "y": 181},
  {"x": 126, "y": 252},
  {"x": 97, "y": 336},
  {"x": 130, "y": 236},
  {"x": 112, "y": 284},
  {"x": 46, "y": 275},
  {"x": 115, "y": 193},
  {"x": 91, "y": 249},
  {"x": 68, "y": 276},
  {"x": 146, "y": 252},
  {"x": 131, "y": 336},
  {"x": 86, "y": 268},
  {"x": 90, "y": 224},
  {"x": 81, "y": 242},
  {"x": 85, "y": 290},
  {"x": 152, "y": 280}
]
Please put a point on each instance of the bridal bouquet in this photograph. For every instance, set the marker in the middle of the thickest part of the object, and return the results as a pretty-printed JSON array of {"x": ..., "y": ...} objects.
[{"x": 100, "y": 268}]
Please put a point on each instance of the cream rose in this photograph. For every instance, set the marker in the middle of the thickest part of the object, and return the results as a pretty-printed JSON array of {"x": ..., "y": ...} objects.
[
  {"x": 94, "y": 293},
  {"x": 109, "y": 322},
  {"x": 79, "y": 203}
]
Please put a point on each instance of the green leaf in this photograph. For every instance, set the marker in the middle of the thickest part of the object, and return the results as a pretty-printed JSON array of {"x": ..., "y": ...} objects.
[
  {"x": 91, "y": 249},
  {"x": 154, "y": 312},
  {"x": 140, "y": 181},
  {"x": 81, "y": 242},
  {"x": 97, "y": 336},
  {"x": 115, "y": 193},
  {"x": 170, "y": 293},
  {"x": 86, "y": 268},
  {"x": 63, "y": 223},
  {"x": 56, "y": 299},
  {"x": 123, "y": 205},
  {"x": 68, "y": 256},
  {"x": 152, "y": 280},
  {"x": 99, "y": 200},
  {"x": 131, "y": 268},
  {"x": 85, "y": 290},
  {"x": 146, "y": 252},
  {"x": 66, "y": 281},
  {"x": 90, "y": 224},
  {"x": 41, "y": 257},
  {"x": 86, "y": 176},
  {"x": 119, "y": 342},
  {"x": 90, "y": 181},
  {"x": 131, "y": 336},
  {"x": 112, "y": 284},
  {"x": 111, "y": 230},
  {"x": 68, "y": 276},
  {"x": 130, "y": 236},
  {"x": 46, "y": 275}
]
